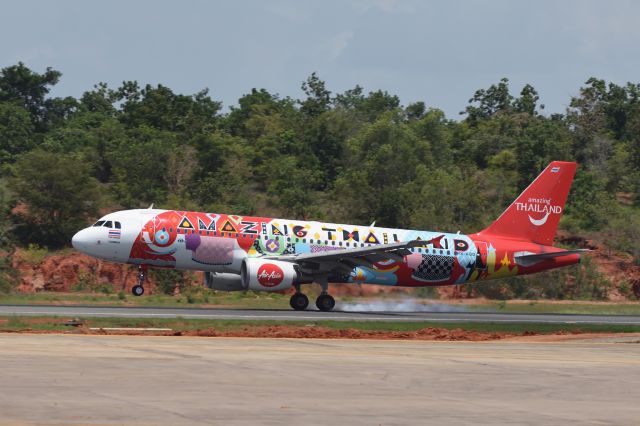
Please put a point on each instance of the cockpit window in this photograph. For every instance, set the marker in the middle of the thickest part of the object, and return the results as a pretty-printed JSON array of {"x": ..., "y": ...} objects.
[
  {"x": 108, "y": 224},
  {"x": 99, "y": 223},
  {"x": 117, "y": 225}
]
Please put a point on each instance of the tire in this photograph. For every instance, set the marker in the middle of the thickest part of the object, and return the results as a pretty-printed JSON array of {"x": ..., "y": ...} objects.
[
  {"x": 325, "y": 302},
  {"x": 137, "y": 290},
  {"x": 299, "y": 302}
]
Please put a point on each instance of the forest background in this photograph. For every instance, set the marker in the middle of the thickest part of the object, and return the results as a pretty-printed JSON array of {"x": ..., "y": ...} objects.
[{"x": 352, "y": 157}]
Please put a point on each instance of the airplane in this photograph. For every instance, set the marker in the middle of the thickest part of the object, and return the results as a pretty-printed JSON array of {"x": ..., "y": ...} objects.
[{"x": 238, "y": 253}]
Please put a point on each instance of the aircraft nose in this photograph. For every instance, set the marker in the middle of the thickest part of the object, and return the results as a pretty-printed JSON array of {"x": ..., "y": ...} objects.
[{"x": 80, "y": 240}]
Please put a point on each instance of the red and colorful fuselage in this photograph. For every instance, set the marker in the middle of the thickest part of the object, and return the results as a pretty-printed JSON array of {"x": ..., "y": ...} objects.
[
  {"x": 519, "y": 242},
  {"x": 220, "y": 243}
]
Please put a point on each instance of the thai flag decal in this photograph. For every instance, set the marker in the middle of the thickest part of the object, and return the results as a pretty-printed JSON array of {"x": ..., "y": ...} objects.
[
  {"x": 114, "y": 233},
  {"x": 555, "y": 169}
]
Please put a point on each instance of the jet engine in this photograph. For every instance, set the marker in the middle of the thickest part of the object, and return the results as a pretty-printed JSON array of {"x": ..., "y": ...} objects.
[
  {"x": 223, "y": 281},
  {"x": 268, "y": 275}
]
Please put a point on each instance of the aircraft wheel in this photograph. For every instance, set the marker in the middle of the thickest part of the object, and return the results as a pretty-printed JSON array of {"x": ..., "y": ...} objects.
[
  {"x": 299, "y": 301},
  {"x": 325, "y": 302},
  {"x": 137, "y": 290}
]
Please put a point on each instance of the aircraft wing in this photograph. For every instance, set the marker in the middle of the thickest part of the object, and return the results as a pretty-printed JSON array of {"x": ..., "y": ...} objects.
[{"x": 348, "y": 258}]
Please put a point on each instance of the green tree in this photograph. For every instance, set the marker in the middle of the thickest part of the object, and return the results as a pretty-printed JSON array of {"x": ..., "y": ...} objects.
[
  {"x": 16, "y": 132},
  {"x": 318, "y": 97},
  {"x": 139, "y": 166},
  {"x": 380, "y": 159},
  {"x": 487, "y": 102},
  {"x": 29, "y": 89},
  {"x": 58, "y": 196},
  {"x": 528, "y": 101},
  {"x": 158, "y": 107}
]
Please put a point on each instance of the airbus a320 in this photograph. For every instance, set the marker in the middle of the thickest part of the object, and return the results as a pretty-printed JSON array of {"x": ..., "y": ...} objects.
[{"x": 240, "y": 253}]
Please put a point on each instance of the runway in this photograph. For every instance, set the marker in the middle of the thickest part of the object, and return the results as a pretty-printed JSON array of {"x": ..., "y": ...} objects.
[
  {"x": 142, "y": 380},
  {"x": 290, "y": 315}
]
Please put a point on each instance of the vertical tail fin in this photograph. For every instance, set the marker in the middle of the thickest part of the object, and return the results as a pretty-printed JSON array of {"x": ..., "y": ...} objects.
[{"x": 535, "y": 214}]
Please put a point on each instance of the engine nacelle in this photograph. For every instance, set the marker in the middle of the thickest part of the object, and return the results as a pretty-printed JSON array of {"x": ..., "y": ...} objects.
[
  {"x": 268, "y": 275},
  {"x": 223, "y": 281}
]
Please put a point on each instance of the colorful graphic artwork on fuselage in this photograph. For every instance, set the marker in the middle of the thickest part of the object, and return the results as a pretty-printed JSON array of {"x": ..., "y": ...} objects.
[{"x": 213, "y": 242}]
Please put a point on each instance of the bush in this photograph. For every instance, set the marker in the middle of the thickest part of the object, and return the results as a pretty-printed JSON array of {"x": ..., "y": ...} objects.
[
  {"x": 427, "y": 292},
  {"x": 8, "y": 275},
  {"x": 589, "y": 283},
  {"x": 167, "y": 279},
  {"x": 624, "y": 234},
  {"x": 87, "y": 282},
  {"x": 34, "y": 254}
]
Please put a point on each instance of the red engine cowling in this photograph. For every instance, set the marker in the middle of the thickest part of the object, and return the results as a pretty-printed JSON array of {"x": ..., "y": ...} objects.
[{"x": 268, "y": 275}]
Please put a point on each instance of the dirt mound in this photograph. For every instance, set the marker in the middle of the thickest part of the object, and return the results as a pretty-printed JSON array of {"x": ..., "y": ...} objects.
[{"x": 62, "y": 271}]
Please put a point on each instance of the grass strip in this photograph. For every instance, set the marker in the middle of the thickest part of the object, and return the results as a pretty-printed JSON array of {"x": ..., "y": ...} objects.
[
  {"x": 261, "y": 300},
  {"x": 53, "y": 323}
]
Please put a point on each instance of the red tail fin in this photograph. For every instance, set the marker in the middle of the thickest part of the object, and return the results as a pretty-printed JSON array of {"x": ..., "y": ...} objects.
[{"x": 535, "y": 214}]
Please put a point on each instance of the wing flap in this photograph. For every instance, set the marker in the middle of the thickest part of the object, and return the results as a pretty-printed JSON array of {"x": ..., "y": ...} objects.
[{"x": 368, "y": 254}]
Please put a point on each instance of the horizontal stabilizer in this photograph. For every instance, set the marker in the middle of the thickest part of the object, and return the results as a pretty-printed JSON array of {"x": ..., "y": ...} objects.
[{"x": 532, "y": 259}]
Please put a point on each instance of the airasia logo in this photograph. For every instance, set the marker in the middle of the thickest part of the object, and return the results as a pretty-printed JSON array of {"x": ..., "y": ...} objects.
[{"x": 269, "y": 275}]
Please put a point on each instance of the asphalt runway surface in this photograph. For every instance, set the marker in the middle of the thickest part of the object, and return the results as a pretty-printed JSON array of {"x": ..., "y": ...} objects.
[
  {"x": 272, "y": 314},
  {"x": 50, "y": 379}
]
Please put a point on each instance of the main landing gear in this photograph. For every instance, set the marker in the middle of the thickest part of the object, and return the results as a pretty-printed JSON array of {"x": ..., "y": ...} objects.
[
  {"x": 138, "y": 289},
  {"x": 325, "y": 302},
  {"x": 299, "y": 301}
]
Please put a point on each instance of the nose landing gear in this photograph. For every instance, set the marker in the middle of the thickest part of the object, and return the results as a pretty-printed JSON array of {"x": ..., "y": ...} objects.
[{"x": 138, "y": 290}]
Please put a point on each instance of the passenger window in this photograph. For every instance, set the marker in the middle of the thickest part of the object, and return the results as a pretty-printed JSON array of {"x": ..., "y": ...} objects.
[
  {"x": 108, "y": 224},
  {"x": 99, "y": 223},
  {"x": 118, "y": 225}
]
